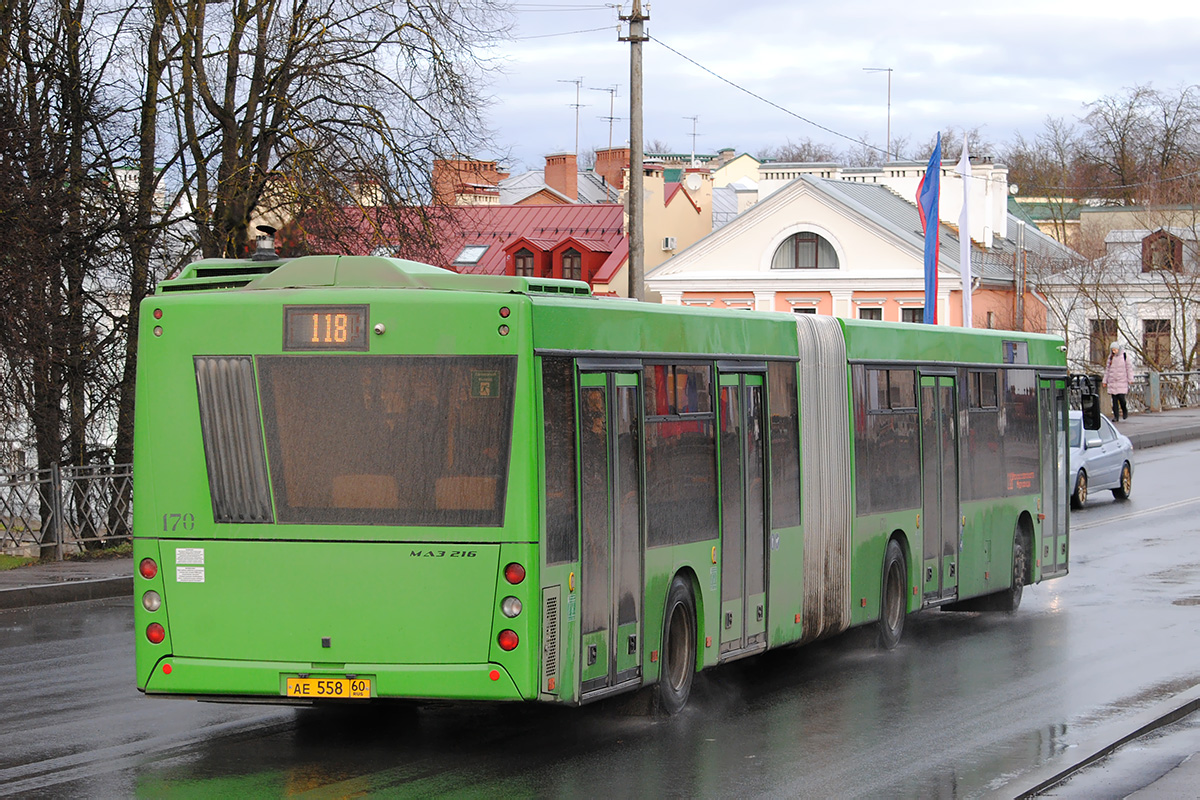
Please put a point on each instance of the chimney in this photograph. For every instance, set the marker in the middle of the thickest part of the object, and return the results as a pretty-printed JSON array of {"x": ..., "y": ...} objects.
[
  {"x": 452, "y": 178},
  {"x": 562, "y": 175},
  {"x": 611, "y": 165}
]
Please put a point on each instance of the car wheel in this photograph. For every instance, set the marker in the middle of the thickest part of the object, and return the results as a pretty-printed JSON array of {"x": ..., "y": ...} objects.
[
  {"x": 1122, "y": 491},
  {"x": 1079, "y": 496}
]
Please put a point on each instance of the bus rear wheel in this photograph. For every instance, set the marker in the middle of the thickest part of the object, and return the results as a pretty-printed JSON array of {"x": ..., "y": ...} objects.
[
  {"x": 893, "y": 603},
  {"x": 1010, "y": 599},
  {"x": 678, "y": 660}
]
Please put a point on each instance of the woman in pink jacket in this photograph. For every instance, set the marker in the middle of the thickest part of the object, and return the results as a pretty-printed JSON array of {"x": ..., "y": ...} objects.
[{"x": 1117, "y": 377}]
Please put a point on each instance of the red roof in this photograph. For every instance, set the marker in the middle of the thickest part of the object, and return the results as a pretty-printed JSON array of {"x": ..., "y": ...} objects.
[{"x": 598, "y": 228}]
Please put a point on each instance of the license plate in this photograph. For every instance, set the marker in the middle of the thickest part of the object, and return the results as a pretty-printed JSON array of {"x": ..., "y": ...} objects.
[{"x": 329, "y": 688}]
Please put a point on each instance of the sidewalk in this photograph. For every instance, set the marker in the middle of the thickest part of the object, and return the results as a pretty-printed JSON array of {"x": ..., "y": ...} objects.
[
  {"x": 1165, "y": 427},
  {"x": 65, "y": 582}
]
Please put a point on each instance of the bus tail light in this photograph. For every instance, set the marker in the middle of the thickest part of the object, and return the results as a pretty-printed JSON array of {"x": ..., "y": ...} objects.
[
  {"x": 151, "y": 601},
  {"x": 510, "y": 607},
  {"x": 508, "y": 640},
  {"x": 155, "y": 633},
  {"x": 148, "y": 568},
  {"x": 514, "y": 573}
]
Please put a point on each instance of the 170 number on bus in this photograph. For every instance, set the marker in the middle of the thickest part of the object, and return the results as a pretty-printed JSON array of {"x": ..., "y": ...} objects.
[{"x": 175, "y": 522}]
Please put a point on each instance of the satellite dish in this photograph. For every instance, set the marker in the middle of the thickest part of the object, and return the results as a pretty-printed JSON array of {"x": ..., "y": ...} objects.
[
  {"x": 693, "y": 181},
  {"x": 1013, "y": 189}
]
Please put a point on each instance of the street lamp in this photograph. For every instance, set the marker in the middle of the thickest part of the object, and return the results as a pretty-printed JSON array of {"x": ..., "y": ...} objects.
[{"x": 887, "y": 146}]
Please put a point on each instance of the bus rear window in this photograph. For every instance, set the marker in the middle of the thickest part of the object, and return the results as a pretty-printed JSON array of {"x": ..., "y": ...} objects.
[{"x": 388, "y": 440}]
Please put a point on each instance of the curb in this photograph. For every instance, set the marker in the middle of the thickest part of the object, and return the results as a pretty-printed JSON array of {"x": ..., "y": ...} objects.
[
  {"x": 65, "y": 592},
  {"x": 1103, "y": 744},
  {"x": 1148, "y": 439}
]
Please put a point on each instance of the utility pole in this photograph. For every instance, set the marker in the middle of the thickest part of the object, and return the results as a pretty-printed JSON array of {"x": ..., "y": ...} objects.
[
  {"x": 637, "y": 233},
  {"x": 693, "y": 119},
  {"x": 576, "y": 105},
  {"x": 888, "y": 143},
  {"x": 612, "y": 95}
]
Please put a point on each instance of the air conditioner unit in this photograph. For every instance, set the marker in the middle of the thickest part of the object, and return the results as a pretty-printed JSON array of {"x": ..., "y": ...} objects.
[{"x": 668, "y": 243}]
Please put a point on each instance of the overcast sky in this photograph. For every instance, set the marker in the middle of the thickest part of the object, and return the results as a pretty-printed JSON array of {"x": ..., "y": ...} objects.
[{"x": 1002, "y": 68}]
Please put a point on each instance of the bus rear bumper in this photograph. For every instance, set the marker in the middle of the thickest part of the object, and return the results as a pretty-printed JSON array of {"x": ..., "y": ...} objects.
[{"x": 267, "y": 680}]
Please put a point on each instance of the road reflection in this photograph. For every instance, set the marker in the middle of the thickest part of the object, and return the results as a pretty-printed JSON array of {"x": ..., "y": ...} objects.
[{"x": 936, "y": 717}]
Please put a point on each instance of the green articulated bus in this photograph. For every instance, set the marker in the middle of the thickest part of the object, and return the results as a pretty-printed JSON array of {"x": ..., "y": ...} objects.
[{"x": 361, "y": 478}]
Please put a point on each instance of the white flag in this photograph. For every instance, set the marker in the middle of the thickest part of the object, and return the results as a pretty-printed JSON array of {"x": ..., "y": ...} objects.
[{"x": 964, "y": 234}]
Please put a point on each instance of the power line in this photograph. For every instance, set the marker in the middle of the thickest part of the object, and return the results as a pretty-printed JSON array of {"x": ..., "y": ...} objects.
[
  {"x": 565, "y": 33},
  {"x": 771, "y": 103}
]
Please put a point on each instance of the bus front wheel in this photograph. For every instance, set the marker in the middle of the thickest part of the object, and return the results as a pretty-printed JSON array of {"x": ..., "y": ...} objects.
[
  {"x": 678, "y": 659},
  {"x": 895, "y": 593}
]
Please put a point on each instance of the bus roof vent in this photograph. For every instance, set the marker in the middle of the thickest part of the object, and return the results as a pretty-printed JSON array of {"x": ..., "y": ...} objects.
[
  {"x": 374, "y": 272},
  {"x": 218, "y": 273}
]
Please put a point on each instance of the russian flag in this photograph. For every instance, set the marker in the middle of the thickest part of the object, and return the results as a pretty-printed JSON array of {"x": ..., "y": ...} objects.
[{"x": 928, "y": 193}]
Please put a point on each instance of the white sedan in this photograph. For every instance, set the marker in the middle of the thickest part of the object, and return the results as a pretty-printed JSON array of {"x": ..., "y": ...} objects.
[{"x": 1100, "y": 459}]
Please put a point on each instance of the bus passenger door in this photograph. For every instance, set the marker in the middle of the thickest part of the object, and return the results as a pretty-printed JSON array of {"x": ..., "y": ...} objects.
[
  {"x": 611, "y": 569},
  {"x": 1052, "y": 411},
  {"x": 743, "y": 503},
  {"x": 941, "y": 521}
]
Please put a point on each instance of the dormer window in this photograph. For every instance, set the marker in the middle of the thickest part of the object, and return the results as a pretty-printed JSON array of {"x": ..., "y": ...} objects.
[
  {"x": 523, "y": 262},
  {"x": 572, "y": 265},
  {"x": 1161, "y": 250}
]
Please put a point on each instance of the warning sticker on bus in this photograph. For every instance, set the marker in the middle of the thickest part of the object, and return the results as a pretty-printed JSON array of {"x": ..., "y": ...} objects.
[{"x": 189, "y": 574}]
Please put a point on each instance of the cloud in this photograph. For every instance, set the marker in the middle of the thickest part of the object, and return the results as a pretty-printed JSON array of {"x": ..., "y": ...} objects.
[{"x": 1002, "y": 69}]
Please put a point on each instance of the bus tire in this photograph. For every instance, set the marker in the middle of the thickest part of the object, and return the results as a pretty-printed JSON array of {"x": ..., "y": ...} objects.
[
  {"x": 678, "y": 660},
  {"x": 1009, "y": 600},
  {"x": 892, "y": 604}
]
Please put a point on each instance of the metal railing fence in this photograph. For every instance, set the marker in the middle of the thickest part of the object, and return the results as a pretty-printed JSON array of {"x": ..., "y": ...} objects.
[
  {"x": 67, "y": 508},
  {"x": 1160, "y": 391}
]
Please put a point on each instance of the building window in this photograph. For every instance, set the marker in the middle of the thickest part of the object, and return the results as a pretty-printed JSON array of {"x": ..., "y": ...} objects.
[
  {"x": 991, "y": 320},
  {"x": 470, "y": 255},
  {"x": 912, "y": 314},
  {"x": 1104, "y": 333},
  {"x": 1161, "y": 250},
  {"x": 524, "y": 263},
  {"x": 805, "y": 310},
  {"x": 870, "y": 313},
  {"x": 572, "y": 265},
  {"x": 805, "y": 250},
  {"x": 1156, "y": 343}
]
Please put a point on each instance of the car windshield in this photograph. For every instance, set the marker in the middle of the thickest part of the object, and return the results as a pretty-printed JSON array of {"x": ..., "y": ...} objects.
[{"x": 1076, "y": 432}]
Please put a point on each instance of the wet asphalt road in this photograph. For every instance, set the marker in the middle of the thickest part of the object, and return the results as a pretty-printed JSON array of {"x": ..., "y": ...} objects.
[{"x": 967, "y": 705}]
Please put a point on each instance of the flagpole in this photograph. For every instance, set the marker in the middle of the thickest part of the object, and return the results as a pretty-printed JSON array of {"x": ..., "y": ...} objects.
[{"x": 964, "y": 235}]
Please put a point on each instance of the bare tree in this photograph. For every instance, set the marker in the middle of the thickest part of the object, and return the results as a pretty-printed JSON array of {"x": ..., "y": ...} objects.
[
  {"x": 56, "y": 224},
  {"x": 296, "y": 105},
  {"x": 802, "y": 151},
  {"x": 1050, "y": 167}
]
